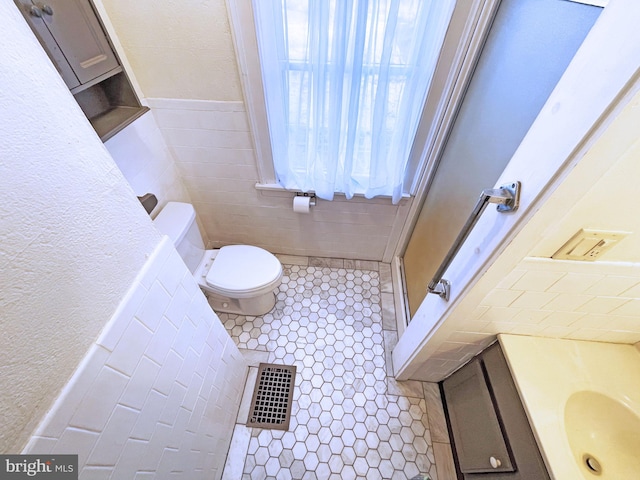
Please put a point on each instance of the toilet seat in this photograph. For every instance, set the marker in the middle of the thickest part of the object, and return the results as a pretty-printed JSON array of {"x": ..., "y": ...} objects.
[{"x": 241, "y": 271}]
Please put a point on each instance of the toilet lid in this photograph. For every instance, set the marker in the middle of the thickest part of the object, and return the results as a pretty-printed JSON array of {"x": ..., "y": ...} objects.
[{"x": 242, "y": 268}]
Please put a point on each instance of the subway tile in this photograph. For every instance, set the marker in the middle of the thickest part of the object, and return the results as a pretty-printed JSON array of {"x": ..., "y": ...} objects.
[
  {"x": 575, "y": 283},
  {"x": 129, "y": 350},
  {"x": 192, "y": 104},
  {"x": 134, "y": 453},
  {"x": 78, "y": 441},
  {"x": 537, "y": 281},
  {"x": 630, "y": 323},
  {"x": 154, "y": 264},
  {"x": 183, "y": 339},
  {"x": 477, "y": 313},
  {"x": 530, "y": 317},
  {"x": 175, "y": 310},
  {"x": 161, "y": 341},
  {"x": 512, "y": 277},
  {"x": 152, "y": 308},
  {"x": 499, "y": 314},
  {"x": 602, "y": 304},
  {"x": 188, "y": 368},
  {"x": 185, "y": 137},
  {"x": 168, "y": 372},
  {"x": 500, "y": 298},
  {"x": 138, "y": 388},
  {"x": 202, "y": 119},
  {"x": 114, "y": 330},
  {"x": 193, "y": 390},
  {"x": 112, "y": 439},
  {"x": 99, "y": 401},
  {"x": 172, "y": 404},
  {"x": 620, "y": 336},
  {"x": 39, "y": 445},
  {"x": 586, "y": 334},
  {"x": 612, "y": 286},
  {"x": 633, "y": 292},
  {"x": 215, "y": 155},
  {"x": 71, "y": 397},
  {"x": 557, "y": 331},
  {"x": 96, "y": 473},
  {"x": 630, "y": 308},
  {"x": 533, "y": 300},
  {"x": 567, "y": 302},
  {"x": 101, "y": 404},
  {"x": 146, "y": 422},
  {"x": 202, "y": 174},
  {"x": 171, "y": 274},
  {"x": 561, "y": 319}
]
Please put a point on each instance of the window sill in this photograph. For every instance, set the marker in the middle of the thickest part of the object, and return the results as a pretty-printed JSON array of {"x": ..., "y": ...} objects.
[{"x": 276, "y": 189}]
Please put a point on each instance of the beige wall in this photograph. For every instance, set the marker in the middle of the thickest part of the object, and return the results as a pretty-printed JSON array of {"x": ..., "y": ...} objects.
[
  {"x": 182, "y": 55},
  {"x": 178, "y": 49},
  {"x": 73, "y": 236}
]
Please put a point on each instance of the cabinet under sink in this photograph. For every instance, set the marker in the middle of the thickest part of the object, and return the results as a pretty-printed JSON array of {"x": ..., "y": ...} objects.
[{"x": 490, "y": 433}]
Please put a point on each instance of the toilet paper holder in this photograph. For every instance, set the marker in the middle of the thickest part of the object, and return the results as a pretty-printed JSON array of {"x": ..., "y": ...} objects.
[{"x": 312, "y": 197}]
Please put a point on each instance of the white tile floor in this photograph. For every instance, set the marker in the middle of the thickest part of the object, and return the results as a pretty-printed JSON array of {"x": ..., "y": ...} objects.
[{"x": 350, "y": 418}]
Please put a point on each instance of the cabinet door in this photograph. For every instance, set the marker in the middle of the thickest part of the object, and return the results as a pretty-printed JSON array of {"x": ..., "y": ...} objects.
[
  {"x": 77, "y": 31},
  {"x": 478, "y": 438},
  {"x": 79, "y": 34},
  {"x": 30, "y": 12}
]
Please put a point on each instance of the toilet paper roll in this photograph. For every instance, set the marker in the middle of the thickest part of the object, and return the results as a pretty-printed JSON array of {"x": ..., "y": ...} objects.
[{"x": 301, "y": 204}]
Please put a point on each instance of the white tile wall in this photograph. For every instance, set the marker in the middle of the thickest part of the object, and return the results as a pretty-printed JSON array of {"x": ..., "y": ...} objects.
[
  {"x": 214, "y": 152},
  {"x": 597, "y": 301},
  {"x": 158, "y": 393},
  {"x": 144, "y": 159}
]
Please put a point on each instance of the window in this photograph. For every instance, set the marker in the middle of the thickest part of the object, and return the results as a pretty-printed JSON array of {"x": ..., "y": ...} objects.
[{"x": 344, "y": 85}]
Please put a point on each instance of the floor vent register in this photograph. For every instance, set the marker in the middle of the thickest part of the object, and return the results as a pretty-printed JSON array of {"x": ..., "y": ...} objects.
[{"x": 272, "y": 397}]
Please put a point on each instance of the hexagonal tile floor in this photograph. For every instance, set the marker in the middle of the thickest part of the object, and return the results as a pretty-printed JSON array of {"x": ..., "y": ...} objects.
[{"x": 349, "y": 419}]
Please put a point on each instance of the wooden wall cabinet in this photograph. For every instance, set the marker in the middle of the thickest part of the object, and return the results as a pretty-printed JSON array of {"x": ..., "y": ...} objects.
[
  {"x": 490, "y": 432},
  {"x": 77, "y": 44}
]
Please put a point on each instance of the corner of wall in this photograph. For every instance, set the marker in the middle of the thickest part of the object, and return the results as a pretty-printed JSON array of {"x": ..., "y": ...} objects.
[{"x": 159, "y": 389}]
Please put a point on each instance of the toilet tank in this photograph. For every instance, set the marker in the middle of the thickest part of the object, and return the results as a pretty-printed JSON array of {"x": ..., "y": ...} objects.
[{"x": 178, "y": 221}]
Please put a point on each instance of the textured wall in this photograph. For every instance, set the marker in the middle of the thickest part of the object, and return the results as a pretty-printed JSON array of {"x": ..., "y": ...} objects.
[
  {"x": 178, "y": 49},
  {"x": 72, "y": 234},
  {"x": 159, "y": 391}
]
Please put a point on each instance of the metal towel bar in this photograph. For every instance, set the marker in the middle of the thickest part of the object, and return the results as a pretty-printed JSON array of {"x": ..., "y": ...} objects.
[{"x": 508, "y": 199}]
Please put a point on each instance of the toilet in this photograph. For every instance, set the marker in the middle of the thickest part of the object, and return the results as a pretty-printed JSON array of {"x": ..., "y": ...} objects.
[{"x": 236, "y": 279}]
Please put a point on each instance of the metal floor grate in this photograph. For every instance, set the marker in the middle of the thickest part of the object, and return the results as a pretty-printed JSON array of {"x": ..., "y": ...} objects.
[{"x": 272, "y": 397}]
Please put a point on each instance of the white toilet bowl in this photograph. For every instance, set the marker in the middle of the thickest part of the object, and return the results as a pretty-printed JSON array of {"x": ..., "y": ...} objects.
[
  {"x": 240, "y": 279},
  {"x": 237, "y": 279}
]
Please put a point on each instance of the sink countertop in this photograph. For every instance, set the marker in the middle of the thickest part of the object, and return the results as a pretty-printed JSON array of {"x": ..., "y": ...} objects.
[{"x": 548, "y": 371}]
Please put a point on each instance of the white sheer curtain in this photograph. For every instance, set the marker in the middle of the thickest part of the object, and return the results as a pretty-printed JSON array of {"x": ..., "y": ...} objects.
[{"x": 345, "y": 82}]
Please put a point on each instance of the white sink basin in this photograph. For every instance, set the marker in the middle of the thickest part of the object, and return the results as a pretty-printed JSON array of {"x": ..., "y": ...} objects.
[
  {"x": 604, "y": 436},
  {"x": 583, "y": 403}
]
